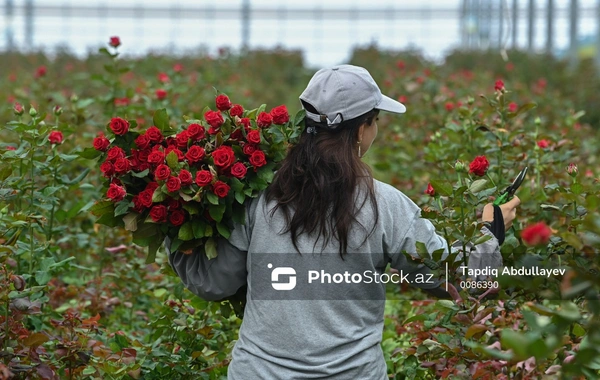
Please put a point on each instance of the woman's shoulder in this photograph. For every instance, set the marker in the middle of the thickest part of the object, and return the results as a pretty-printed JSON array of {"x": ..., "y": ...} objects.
[{"x": 392, "y": 198}]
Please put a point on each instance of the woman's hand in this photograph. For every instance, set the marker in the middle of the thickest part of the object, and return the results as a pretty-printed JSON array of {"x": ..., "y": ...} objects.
[{"x": 509, "y": 212}]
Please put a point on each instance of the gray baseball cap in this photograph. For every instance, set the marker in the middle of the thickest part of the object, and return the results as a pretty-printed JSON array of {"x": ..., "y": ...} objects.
[{"x": 344, "y": 92}]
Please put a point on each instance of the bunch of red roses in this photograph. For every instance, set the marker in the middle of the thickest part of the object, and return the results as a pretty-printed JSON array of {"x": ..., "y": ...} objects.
[{"x": 190, "y": 184}]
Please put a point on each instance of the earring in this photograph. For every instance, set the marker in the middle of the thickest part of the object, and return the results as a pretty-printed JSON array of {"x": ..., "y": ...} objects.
[{"x": 359, "y": 155}]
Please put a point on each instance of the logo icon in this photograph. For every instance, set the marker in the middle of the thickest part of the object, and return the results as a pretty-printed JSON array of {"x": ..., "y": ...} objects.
[{"x": 282, "y": 271}]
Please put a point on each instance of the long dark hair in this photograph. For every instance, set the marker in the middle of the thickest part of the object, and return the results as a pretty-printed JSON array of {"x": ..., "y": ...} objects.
[{"x": 319, "y": 181}]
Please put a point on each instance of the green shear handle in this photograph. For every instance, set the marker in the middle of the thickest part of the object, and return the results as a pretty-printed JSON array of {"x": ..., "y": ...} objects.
[{"x": 510, "y": 190}]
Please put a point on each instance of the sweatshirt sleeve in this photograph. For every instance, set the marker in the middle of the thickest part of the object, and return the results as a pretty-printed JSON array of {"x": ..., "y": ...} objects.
[{"x": 219, "y": 278}]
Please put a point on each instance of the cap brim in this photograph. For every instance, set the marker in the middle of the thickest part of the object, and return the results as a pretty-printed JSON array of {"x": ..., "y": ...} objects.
[{"x": 391, "y": 105}]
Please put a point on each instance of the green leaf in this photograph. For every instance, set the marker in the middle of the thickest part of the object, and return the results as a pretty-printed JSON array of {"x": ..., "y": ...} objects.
[
  {"x": 441, "y": 187},
  {"x": 42, "y": 277},
  {"x": 122, "y": 207},
  {"x": 198, "y": 228},
  {"x": 130, "y": 221},
  {"x": 516, "y": 341},
  {"x": 212, "y": 198},
  {"x": 216, "y": 212},
  {"x": 266, "y": 174},
  {"x": 577, "y": 188},
  {"x": 186, "y": 232},
  {"x": 477, "y": 185},
  {"x": 211, "y": 248},
  {"x": 152, "y": 248},
  {"x": 89, "y": 153},
  {"x": 223, "y": 230},
  {"x": 240, "y": 197},
  {"x": 141, "y": 174},
  {"x": 161, "y": 120},
  {"x": 172, "y": 160},
  {"x": 77, "y": 179},
  {"x": 299, "y": 117},
  {"x": 5, "y": 172},
  {"x": 158, "y": 195},
  {"x": 422, "y": 250},
  {"x": 110, "y": 220},
  {"x": 523, "y": 108},
  {"x": 482, "y": 239},
  {"x": 101, "y": 208}
]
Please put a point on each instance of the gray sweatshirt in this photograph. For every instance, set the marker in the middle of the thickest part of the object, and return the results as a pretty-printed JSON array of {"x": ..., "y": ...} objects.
[{"x": 315, "y": 315}]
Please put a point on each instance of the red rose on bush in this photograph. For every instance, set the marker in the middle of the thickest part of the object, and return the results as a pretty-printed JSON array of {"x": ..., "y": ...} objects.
[
  {"x": 173, "y": 184},
  {"x": 101, "y": 143},
  {"x": 223, "y": 156},
  {"x": 163, "y": 77},
  {"x": 159, "y": 213},
  {"x": 512, "y": 107},
  {"x": 154, "y": 134},
  {"x": 177, "y": 217},
  {"x": 236, "y": 134},
  {"x": 122, "y": 166},
  {"x": 146, "y": 197},
  {"x": 142, "y": 141},
  {"x": 253, "y": 136},
  {"x": 152, "y": 186},
  {"x": 264, "y": 120},
  {"x": 479, "y": 166},
  {"x": 280, "y": 115},
  {"x": 195, "y": 153},
  {"x": 182, "y": 139},
  {"x": 203, "y": 177},
  {"x": 258, "y": 159},
  {"x": 221, "y": 189},
  {"x": 245, "y": 122},
  {"x": 499, "y": 85},
  {"x": 114, "y": 153},
  {"x": 223, "y": 103},
  {"x": 116, "y": 193},
  {"x": 156, "y": 157},
  {"x": 55, "y": 137},
  {"x": 177, "y": 152},
  {"x": 196, "y": 132},
  {"x": 161, "y": 94},
  {"x": 40, "y": 72},
  {"x": 236, "y": 110},
  {"x": 173, "y": 204},
  {"x": 238, "y": 170},
  {"x": 543, "y": 144},
  {"x": 162, "y": 172},
  {"x": 107, "y": 169},
  {"x": 119, "y": 126},
  {"x": 248, "y": 149},
  {"x": 185, "y": 177},
  {"x": 430, "y": 190},
  {"x": 114, "y": 41},
  {"x": 536, "y": 234},
  {"x": 214, "y": 118},
  {"x": 137, "y": 204}
]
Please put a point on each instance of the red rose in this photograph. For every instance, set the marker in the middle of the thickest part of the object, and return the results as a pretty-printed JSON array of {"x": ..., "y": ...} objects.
[
  {"x": 536, "y": 234},
  {"x": 18, "y": 109},
  {"x": 177, "y": 217},
  {"x": 146, "y": 197},
  {"x": 114, "y": 153},
  {"x": 449, "y": 106},
  {"x": 223, "y": 156},
  {"x": 158, "y": 213},
  {"x": 142, "y": 155},
  {"x": 195, "y": 153},
  {"x": 152, "y": 186},
  {"x": 479, "y": 166},
  {"x": 221, "y": 189},
  {"x": 40, "y": 72},
  {"x": 182, "y": 138},
  {"x": 173, "y": 204},
  {"x": 223, "y": 103},
  {"x": 245, "y": 122},
  {"x": 177, "y": 152},
  {"x": 236, "y": 134},
  {"x": 121, "y": 102},
  {"x": 236, "y": 110},
  {"x": 163, "y": 77},
  {"x": 543, "y": 144},
  {"x": 280, "y": 115},
  {"x": 257, "y": 159},
  {"x": 214, "y": 118},
  {"x": 137, "y": 204},
  {"x": 119, "y": 126},
  {"x": 238, "y": 170},
  {"x": 116, "y": 193},
  {"x": 248, "y": 149},
  {"x": 101, "y": 143},
  {"x": 162, "y": 172},
  {"x": 107, "y": 169},
  {"x": 173, "y": 184},
  {"x": 154, "y": 134},
  {"x": 55, "y": 137},
  {"x": 430, "y": 190},
  {"x": 156, "y": 157},
  {"x": 185, "y": 177},
  {"x": 114, "y": 41},
  {"x": 253, "y": 136},
  {"x": 161, "y": 94},
  {"x": 142, "y": 141},
  {"x": 122, "y": 166},
  {"x": 203, "y": 178},
  {"x": 178, "y": 67},
  {"x": 264, "y": 120},
  {"x": 499, "y": 85},
  {"x": 513, "y": 107},
  {"x": 196, "y": 132}
]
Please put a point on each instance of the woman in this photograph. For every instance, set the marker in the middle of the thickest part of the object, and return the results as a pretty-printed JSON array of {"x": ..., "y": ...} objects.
[{"x": 316, "y": 242}]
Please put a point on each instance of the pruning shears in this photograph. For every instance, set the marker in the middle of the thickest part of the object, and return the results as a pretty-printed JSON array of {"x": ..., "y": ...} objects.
[{"x": 510, "y": 190}]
